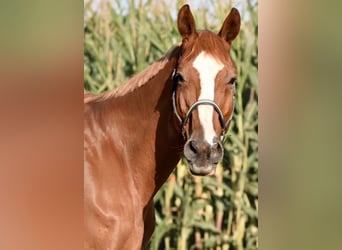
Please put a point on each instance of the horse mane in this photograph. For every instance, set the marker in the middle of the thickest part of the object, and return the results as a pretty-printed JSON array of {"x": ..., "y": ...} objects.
[{"x": 137, "y": 80}]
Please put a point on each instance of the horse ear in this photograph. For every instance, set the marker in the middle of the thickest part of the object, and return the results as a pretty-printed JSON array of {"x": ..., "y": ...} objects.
[
  {"x": 231, "y": 26},
  {"x": 186, "y": 22}
]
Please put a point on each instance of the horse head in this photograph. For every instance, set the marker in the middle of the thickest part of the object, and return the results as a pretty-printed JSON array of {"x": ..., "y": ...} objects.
[{"x": 203, "y": 98}]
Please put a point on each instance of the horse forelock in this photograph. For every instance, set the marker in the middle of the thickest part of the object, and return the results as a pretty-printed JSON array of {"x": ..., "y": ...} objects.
[
  {"x": 139, "y": 79},
  {"x": 210, "y": 43}
]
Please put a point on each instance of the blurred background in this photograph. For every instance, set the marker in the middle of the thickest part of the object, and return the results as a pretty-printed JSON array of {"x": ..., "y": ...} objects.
[{"x": 122, "y": 38}]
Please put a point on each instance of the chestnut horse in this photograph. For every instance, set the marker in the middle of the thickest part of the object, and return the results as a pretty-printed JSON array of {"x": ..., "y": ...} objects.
[{"x": 135, "y": 135}]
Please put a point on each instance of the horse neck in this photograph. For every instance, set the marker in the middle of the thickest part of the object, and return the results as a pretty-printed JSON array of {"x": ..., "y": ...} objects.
[{"x": 153, "y": 145}]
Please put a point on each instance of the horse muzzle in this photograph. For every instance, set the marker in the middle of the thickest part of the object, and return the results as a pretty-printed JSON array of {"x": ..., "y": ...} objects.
[{"x": 202, "y": 156}]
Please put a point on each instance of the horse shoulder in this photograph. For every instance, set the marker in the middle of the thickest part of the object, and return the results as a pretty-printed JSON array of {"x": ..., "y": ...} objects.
[{"x": 114, "y": 215}]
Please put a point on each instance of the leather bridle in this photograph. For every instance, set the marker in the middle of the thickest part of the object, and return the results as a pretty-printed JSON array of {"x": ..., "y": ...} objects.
[{"x": 183, "y": 121}]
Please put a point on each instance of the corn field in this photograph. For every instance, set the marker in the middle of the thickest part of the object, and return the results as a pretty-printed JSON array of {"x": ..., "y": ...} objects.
[{"x": 219, "y": 212}]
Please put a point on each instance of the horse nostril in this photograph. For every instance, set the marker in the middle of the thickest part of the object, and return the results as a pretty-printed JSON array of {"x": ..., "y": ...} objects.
[
  {"x": 216, "y": 153},
  {"x": 191, "y": 150},
  {"x": 193, "y": 147}
]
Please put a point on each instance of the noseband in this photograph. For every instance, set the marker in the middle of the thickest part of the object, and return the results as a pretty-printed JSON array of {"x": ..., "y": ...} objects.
[{"x": 183, "y": 121}]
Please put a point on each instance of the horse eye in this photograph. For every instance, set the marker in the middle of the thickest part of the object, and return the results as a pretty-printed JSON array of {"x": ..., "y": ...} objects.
[
  {"x": 232, "y": 80},
  {"x": 179, "y": 78}
]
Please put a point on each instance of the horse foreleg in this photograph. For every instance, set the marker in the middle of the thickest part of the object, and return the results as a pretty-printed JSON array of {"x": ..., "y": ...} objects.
[{"x": 149, "y": 223}]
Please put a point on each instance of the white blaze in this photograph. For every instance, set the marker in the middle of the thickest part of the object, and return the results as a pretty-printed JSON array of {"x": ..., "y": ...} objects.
[{"x": 207, "y": 67}]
